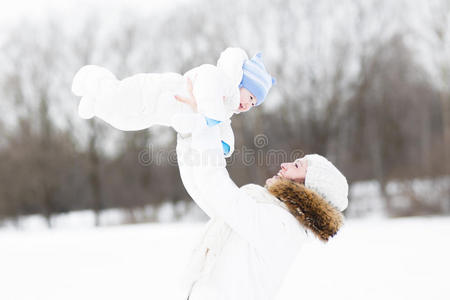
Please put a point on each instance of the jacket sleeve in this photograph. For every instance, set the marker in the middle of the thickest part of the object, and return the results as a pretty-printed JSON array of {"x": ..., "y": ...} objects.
[
  {"x": 186, "y": 167},
  {"x": 216, "y": 192},
  {"x": 231, "y": 204}
]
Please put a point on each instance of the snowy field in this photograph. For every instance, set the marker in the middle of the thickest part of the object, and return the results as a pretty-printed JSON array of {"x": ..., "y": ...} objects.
[{"x": 370, "y": 259}]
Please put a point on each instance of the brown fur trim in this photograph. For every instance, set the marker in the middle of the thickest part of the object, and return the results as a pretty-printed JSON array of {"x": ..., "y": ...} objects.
[{"x": 309, "y": 208}]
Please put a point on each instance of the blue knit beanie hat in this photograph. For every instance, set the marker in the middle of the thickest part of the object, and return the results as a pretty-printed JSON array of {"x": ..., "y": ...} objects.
[{"x": 256, "y": 79}]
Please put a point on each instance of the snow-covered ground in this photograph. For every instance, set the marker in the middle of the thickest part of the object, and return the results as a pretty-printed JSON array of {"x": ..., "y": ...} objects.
[
  {"x": 168, "y": 212},
  {"x": 369, "y": 259}
]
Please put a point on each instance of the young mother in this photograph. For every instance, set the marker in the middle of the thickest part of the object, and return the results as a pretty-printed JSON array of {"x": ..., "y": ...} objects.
[{"x": 255, "y": 232}]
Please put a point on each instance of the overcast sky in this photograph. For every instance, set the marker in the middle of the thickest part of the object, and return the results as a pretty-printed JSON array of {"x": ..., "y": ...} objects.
[{"x": 12, "y": 11}]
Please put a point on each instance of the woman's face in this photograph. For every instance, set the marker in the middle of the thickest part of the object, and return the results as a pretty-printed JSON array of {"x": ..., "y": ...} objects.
[
  {"x": 248, "y": 100},
  {"x": 295, "y": 170}
]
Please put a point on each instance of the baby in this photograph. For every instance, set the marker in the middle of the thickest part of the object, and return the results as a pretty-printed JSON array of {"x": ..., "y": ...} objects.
[{"x": 234, "y": 85}]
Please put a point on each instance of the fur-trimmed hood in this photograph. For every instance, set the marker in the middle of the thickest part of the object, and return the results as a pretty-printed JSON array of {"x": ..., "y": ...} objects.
[{"x": 308, "y": 207}]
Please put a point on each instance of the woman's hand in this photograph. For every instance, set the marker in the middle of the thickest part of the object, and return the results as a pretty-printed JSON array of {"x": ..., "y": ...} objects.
[{"x": 188, "y": 100}]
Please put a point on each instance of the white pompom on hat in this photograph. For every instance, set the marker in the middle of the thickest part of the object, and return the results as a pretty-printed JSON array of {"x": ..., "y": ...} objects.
[{"x": 325, "y": 179}]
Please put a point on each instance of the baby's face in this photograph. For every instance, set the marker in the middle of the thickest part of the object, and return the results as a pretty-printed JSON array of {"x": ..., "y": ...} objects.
[{"x": 248, "y": 100}]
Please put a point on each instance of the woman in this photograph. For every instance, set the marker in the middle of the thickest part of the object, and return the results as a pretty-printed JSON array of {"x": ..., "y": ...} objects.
[{"x": 255, "y": 232}]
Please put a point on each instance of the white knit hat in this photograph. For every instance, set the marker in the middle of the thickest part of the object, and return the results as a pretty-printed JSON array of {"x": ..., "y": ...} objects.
[{"x": 325, "y": 179}]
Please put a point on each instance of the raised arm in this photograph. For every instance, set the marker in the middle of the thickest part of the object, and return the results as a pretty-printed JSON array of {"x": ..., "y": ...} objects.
[
  {"x": 186, "y": 167},
  {"x": 211, "y": 187}
]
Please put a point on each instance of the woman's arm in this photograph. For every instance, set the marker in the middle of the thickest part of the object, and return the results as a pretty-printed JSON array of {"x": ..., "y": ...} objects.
[
  {"x": 187, "y": 175},
  {"x": 211, "y": 187}
]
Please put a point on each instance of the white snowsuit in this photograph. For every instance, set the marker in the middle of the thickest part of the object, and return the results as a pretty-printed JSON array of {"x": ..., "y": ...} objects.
[{"x": 147, "y": 99}]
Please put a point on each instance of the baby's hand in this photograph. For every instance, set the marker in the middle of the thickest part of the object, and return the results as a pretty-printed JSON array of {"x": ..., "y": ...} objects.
[{"x": 188, "y": 100}]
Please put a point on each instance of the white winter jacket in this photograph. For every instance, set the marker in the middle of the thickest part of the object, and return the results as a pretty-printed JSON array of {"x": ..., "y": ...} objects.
[
  {"x": 142, "y": 100},
  {"x": 252, "y": 238}
]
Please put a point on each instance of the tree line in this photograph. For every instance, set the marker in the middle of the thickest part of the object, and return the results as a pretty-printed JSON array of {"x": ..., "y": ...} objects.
[{"x": 366, "y": 88}]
